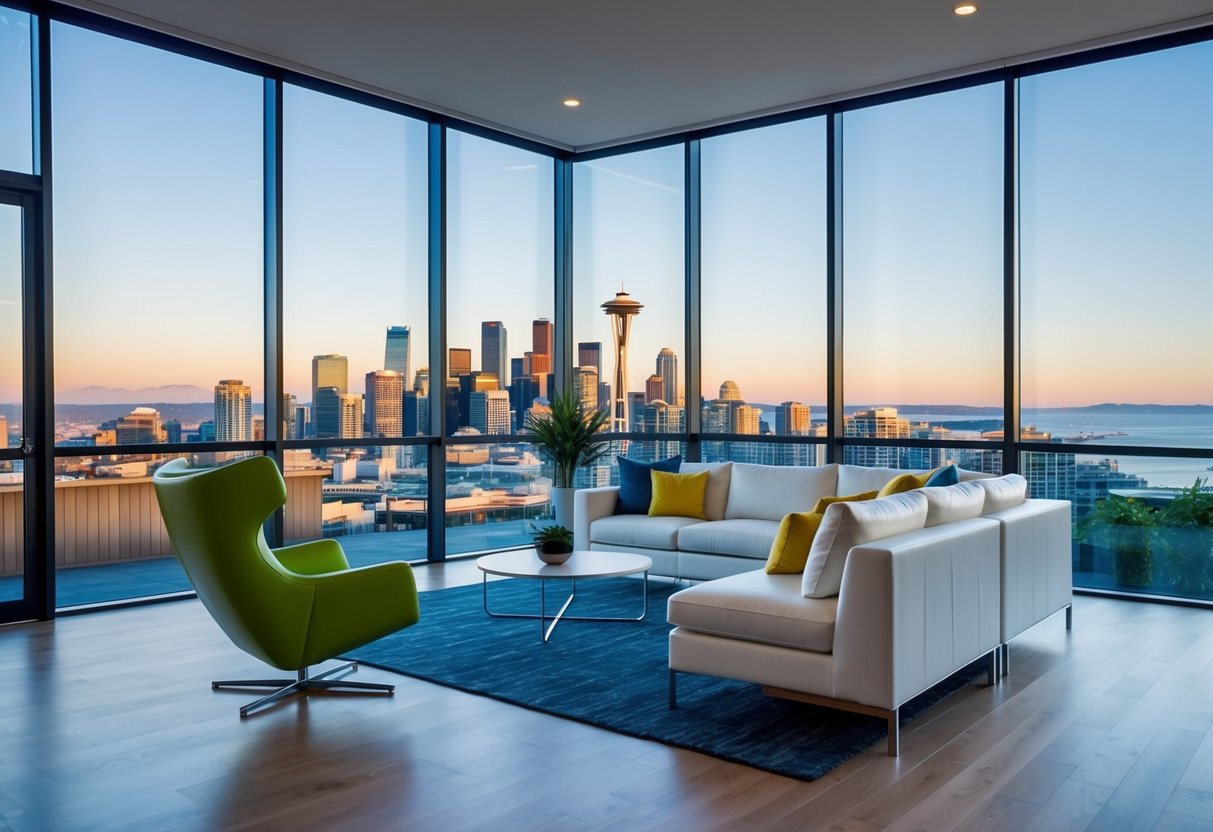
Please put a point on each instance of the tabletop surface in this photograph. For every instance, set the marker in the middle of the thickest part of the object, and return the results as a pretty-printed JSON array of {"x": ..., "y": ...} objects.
[{"x": 583, "y": 564}]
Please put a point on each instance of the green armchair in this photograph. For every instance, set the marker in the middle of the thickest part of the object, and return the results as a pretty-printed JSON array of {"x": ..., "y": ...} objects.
[{"x": 291, "y": 607}]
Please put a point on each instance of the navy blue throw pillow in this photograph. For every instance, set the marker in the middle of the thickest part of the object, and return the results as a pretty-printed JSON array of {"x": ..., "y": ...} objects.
[
  {"x": 948, "y": 475},
  {"x": 636, "y": 483}
]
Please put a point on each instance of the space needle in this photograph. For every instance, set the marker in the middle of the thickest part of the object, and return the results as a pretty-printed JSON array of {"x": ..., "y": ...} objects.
[{"x": 622, "y": 309}]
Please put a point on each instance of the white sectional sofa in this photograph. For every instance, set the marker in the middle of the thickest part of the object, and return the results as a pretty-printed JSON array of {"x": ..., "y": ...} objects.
[{"x": 978, "y": 566}]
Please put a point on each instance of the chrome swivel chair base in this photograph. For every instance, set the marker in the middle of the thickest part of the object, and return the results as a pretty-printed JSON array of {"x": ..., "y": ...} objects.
[{"x": 302, "y": 683}]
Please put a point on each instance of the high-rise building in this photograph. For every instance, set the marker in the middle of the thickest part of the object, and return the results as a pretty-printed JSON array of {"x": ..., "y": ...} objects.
[
  {"x": 384, "y": 403},
  {"x": 660, "y": 417},
  {"x": 172, "y": 430},
  {"x": 621, "y": 309},
  {"x": 654, "y": 389},
  {"x": 517, "y": 369},
  {"x": 289, "y": 407},
  {"x": 875, "y": 423},
  {"x": 585, "y": 382},
  {"x": 303, "y": 422},
  {"x": 524, "y": 389},
  {"x": 667, "y": 368},
  {"x": 494, "y": 354},
  {"x": 233, "y": 411},
  {"x": 3, "y": 431},
  {"x": 792, "y": 419},
  {"x": 490, "y": 411},
  {"x": 589, "y": 354},
  {"x": 396, "y": 350},
  {"x": 421, "y": 381},
  {"x": 330, "y": 371},
  {"x": 460, "y": 361},
  {"x": 350, "y": 425},
  {"x": 635, "y": 411},
  {"x": 416, "y": 415},
  {"x": 729, "y": 391},
  {"x": 542, "y": 337},
  {"x": 327, "y": 413},
  {"x": 139, "y": 427}
]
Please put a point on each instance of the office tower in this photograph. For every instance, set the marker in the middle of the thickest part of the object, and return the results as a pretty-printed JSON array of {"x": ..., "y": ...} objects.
[
  {"x": 541, "y": 346},
  {"x": 421, "y": 381},
  {"x": 494, "y": 355},
  {"x": 233, "y": 411},
  {"x": 460, "y": 362},
  {"x": 396, "y": 350},
  {"x": 475, "y": 382},
  {"x": 654, "y": 390},
  {"x": 139, "y": 427},
  {"x": 747, "y": 419},
  {"x": 524, "y": 389},
  {"x": 327, "y": 413},
  {"x": 350, "y": 425},
  {"x": 206, "y": 431},
  {"x": 604, "y": 394},
  {"x": 416, "y": 415},
  {"x": 585, "y": 382},
  {"x": 635, "y": 411},
  {"x": 661, "y": 417},
  {"x": 3, "y": 431},
  {"x": 589, "y": 354},
  {"x": 303, "y": 422},
  {"x": 289, "y": 408},
  {"x": 172, "y": 430},
  {"x": 384, "y": 403},
  {"x": 621, "y": 311},
  {"x": 258, "y": 428},
  {"x": 516, "y": 369},
  {"x": 490, "y": 411},
  {"x": 730, "y": 392},
  {"x": 330, "y": 371},
  {"x": 792, "y": 419},
  {"x": 667, "y": 368},
  {"x": 875, "y": 423}
]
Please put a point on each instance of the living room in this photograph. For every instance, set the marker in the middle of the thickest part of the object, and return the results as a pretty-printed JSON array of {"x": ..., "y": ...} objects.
[{"x": 979, "y": 250}]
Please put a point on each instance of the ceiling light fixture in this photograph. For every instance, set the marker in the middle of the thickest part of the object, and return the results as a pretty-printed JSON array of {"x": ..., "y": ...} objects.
[
  {"x": 965, "y": 9},
  {"x": 572, "y": 102}
]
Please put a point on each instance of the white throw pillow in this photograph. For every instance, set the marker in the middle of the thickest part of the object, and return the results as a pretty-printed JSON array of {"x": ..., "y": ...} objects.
[
  {"x": 856, "y": 479},
  {"x": 717, "y": 494},
  {"x": 1003, "y": 492},
  {"x": 950, "y": 503},
  {"x": 768, "y": 492},
  {"x": 845, "y": 525}
]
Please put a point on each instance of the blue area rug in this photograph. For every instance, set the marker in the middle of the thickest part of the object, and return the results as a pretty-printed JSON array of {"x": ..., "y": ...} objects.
[{"x": 614, "y": 676}]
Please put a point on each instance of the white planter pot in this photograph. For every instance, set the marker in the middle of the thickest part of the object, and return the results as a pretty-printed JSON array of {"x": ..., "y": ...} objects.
[{"x": 562, "y": 505}]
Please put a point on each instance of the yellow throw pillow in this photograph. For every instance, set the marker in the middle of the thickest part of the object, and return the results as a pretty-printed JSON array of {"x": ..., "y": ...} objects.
[
  {"x": 678, "y": 495},
  {"x": 824, "y": 502},
  {"x": 790, "y": 551},
  {"x": 904, "y": 482}
]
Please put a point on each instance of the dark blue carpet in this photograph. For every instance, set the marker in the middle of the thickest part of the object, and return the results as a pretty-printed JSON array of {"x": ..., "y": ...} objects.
[{"x": 614, "y": 675}]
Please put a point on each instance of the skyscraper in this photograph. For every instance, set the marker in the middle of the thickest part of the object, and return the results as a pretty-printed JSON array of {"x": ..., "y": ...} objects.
[
  {"x": 541, "y": 346},
  {"x": 654, "y": 389},
  {"x": 421, "y": 381},
  {"x": 303, "y": 422},
  {"x": 289, "y": 404},
  {"x": 621, "y": 310},
  {"x": 384, "y": 403},
  {"x": 494, "y": 354},
  {"x": 3, "y": 431},
  {"x": 792, "y": 419},
  {"x": 350, "y": 426},
  {"x": 490, "y": 411},
  {"x": 330, "y": 371},
  {"x": 460, "y": 361},
  {"x": 396, "y": 350},
  {"x": 667, "y": 368},
  {"x": 327, "y": 413},
  {"x": 589, "y": 354},
  {"x": 233, "y": 411},
  {"x": 140, "y": 427},
  {"x": 877, "y": 423}
]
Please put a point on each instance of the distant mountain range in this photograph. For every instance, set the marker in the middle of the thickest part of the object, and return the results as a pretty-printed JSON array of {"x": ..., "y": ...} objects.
[{"x": 165, "y": 393}]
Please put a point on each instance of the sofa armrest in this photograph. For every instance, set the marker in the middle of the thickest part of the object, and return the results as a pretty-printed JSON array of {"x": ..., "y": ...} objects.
[
  {"x": 590, "y": 504},
  {"x": 914, "y": 608},
  {"x": 1037, "y": 562}
]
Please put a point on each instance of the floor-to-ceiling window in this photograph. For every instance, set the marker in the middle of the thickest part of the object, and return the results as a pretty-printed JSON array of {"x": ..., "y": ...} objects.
[
  {"x": 158, "y": 294},
  {"x": 16, "y": 92},
  {"x": 1116, "y": 194},
  {"x": 630, "y": 280},
  {"x": 763, "y": 267},
  {"x": 501, "y": 339},
  {"x": 922, "y": 267},
  {"x": 355, "y": 334}
]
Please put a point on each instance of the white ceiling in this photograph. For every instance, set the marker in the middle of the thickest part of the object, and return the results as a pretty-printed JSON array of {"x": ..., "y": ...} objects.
[{"x": 643, "y": 67}]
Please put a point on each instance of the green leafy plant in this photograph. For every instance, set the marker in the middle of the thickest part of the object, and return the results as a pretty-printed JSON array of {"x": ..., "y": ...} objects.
[
  {"x": 1187, "y": 539},
  {"x": 568, "y": 435},
  {"x": 1123, "y": 524},
  {"x": 554, "y": 539}
]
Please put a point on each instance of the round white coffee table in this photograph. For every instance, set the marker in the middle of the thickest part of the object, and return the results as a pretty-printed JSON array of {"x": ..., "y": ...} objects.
[{"x": 583, "y": 564}]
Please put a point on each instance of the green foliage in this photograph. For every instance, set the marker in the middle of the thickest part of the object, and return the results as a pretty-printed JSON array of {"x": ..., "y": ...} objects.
[
  {"x": 568, "y": 436},
  {"x": 1190, "y": 508},
  {"x": 552, "y": 534},
  {"x": 1187, "y": 540},
  {"x": 1123, "y": 524}
]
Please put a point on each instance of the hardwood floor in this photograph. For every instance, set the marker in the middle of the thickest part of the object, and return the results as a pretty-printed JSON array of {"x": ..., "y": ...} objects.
[{"x": 107, "y": 721}]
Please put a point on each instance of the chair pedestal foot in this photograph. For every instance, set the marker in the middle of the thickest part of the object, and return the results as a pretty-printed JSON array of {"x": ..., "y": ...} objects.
[{"x": 302, "y": 683}]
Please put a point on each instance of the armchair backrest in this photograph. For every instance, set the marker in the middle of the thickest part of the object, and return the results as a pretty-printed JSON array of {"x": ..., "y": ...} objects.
[{"x": 214, "y": 519}]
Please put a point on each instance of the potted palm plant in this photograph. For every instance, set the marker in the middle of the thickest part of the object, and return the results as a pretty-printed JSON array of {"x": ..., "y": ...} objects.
[
  {"x": 570, "y": 437},
  {"x": 1124, "y": 525}
]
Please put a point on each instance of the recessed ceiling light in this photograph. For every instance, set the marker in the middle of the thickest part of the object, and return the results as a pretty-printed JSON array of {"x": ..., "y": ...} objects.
[
  {"x": 572, "y": 102},
  {"x": 965, "y": 9}
]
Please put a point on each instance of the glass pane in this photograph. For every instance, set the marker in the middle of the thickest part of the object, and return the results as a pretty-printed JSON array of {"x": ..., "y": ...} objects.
[
  {"x": 354, "y": 224},
  {"x": 159, "y": 326},
  {"x": 922, "y": 253},
  {"x": 922, "y": 459},
  {"x": 629, "y": 279},
  {"x": 494, "y": 492},
  {"x": 1117, "y": 258},
  {"x": 16, "y": 92},
  {"x": 764, "y": 453},
  {"x": 110, "y": 541},
  {"x": 1142, "y": 524},
  {"x": 764, "y": 280},
  {"x": 12, "y": 518}
]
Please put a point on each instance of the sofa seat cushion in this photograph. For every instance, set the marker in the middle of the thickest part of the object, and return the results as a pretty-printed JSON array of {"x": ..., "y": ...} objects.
[
  {"x": 639, "y": 530},
  {"x": 755, "y": 606},
  {"x": 768, "y": 492},
  {"x": 742, "y": 538}
]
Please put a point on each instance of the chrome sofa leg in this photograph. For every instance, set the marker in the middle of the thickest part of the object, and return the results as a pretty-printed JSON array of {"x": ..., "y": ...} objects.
[{"x": 1069, "y": 616}]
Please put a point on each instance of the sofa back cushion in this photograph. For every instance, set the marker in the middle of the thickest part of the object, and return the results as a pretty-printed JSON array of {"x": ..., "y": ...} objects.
[
  {"x": 717, "y": 496},
  {"x": 1003, "y": 492},
  {"x": 855, "y": 479},
  {"x": 845, "y": 525},
  {"x": 949, "y": 503},
  {"x": 768, "y": 492},
  {"x": 636, "y": 483}
]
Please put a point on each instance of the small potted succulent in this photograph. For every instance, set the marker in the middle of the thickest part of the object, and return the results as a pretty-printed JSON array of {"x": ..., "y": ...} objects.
[{"x": 553, "y": 544}]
